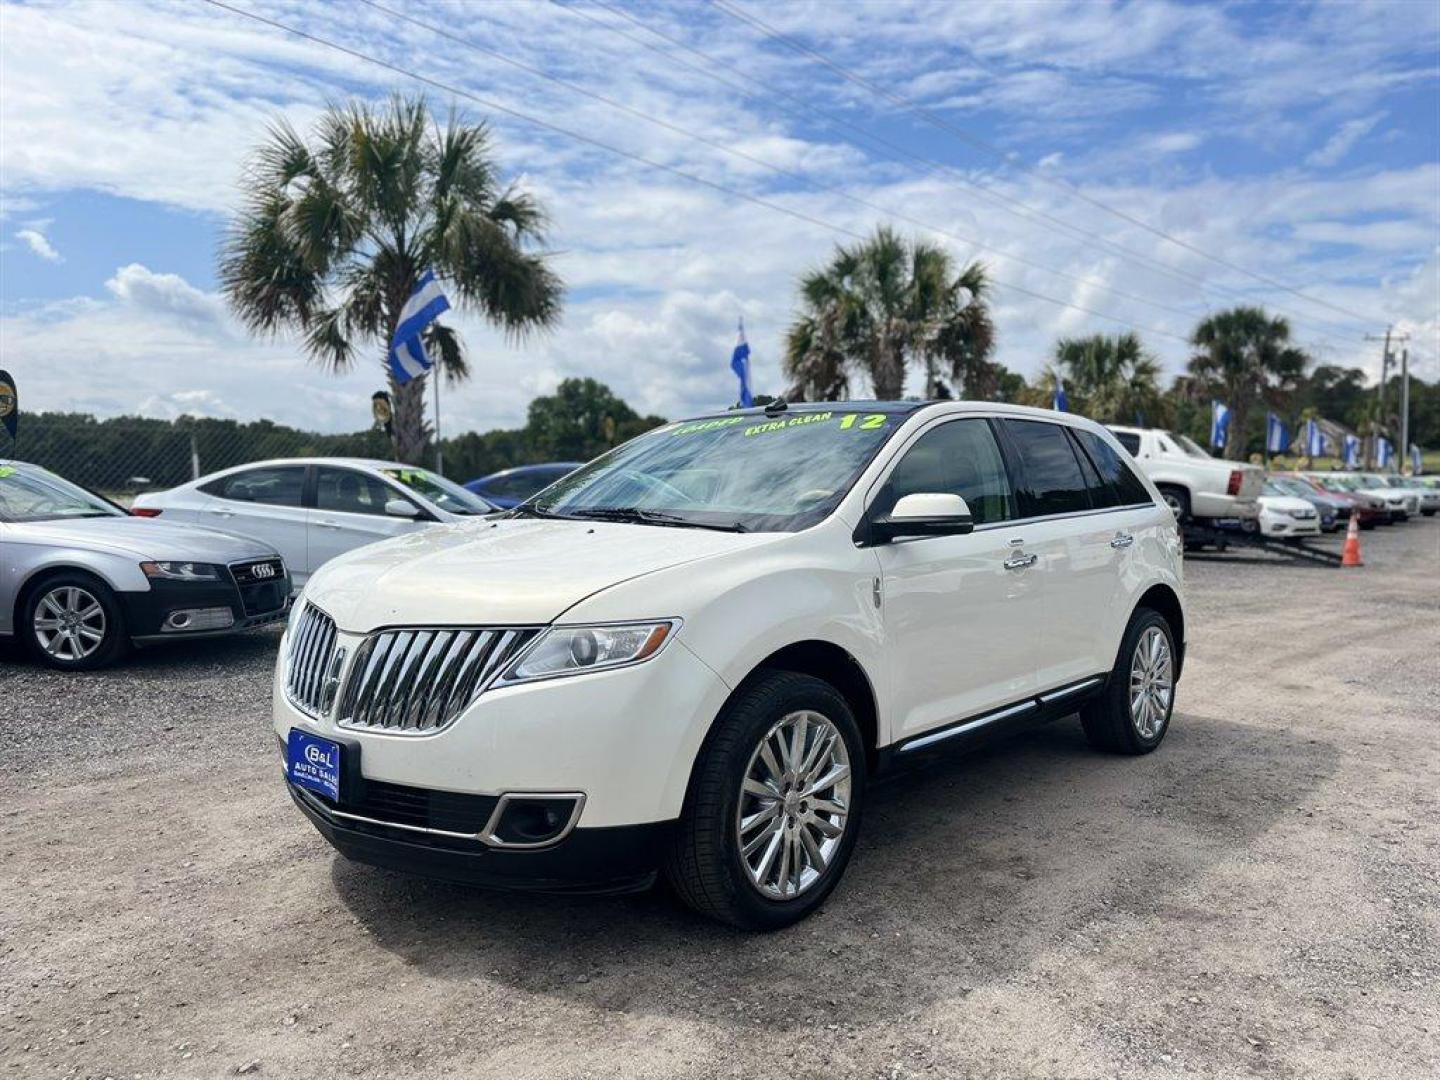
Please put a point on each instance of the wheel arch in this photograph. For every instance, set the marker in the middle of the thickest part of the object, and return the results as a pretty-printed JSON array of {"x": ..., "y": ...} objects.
[
  {"x": 42, "y": 574},
  {"x": 1165, "y": 600}
]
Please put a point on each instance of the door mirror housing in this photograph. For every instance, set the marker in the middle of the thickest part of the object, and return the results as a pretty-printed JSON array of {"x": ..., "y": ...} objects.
[
  {"x": 401, "y": 508},
  {"x": 923, "y": 514}
]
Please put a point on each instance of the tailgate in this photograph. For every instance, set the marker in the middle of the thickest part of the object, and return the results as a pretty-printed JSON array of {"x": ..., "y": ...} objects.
[{"x": 1251, "y": 481}]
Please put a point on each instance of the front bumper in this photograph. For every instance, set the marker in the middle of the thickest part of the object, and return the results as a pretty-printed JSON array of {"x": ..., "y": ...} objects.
[
  {"x": 250, "y": 606},
  {"x": 605, "y": 860},
  {"x": 624, "y": 738}
]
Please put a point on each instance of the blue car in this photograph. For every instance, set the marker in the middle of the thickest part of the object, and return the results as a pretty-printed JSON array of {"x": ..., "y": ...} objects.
[{"x": 511, "y": 487}]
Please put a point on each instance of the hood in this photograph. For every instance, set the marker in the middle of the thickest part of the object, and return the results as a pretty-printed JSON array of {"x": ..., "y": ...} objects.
[
  {"x": 145, "y": 538},
  {"x": 511, "y": 572},
  {"x": 1285, "y": 503}
]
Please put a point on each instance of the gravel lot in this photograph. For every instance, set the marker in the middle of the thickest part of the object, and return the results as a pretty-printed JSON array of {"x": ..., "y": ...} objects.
[{"x": 1260, "y": 897}]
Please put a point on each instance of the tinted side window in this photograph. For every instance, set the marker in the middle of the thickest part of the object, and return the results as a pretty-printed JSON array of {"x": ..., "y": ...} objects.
[
  {"x": 1129, "y": 440},
  {"x": 1113, "y": 470},
  {"x": 279, "y": 485},
  {"x": 958, "y": 458},
  {"x": 1102, "y": 494},
  {"x": 1052, "y": 482},
  {"x": 346, "y": 491}
]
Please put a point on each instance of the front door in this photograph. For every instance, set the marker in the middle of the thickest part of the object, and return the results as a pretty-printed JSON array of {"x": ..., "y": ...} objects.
[
  {"x": 961, "y": 612},
  {"x": 265, "y": 504},
  {"x": 349, "y": 512}
]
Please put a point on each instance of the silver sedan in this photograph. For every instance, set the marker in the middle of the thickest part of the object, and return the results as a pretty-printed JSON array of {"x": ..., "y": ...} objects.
[{"x": 81, "y": 580}]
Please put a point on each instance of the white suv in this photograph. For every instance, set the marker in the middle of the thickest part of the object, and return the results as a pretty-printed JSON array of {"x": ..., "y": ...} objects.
[{"x": 689, "y": 656}]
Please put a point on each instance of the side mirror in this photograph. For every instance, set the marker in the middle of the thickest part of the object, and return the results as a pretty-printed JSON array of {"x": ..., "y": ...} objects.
[
  {"x": 924, "y": 514},
  {"x": 402, "y": 508}
]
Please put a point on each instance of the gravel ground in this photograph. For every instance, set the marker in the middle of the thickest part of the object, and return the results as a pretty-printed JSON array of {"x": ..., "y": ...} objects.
[{"x": 1260, "y": 897}]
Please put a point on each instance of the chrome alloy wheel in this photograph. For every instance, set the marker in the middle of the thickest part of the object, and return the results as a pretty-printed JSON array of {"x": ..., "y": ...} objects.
[
  {"x": 1152, "y": 682},
  {"x": 794, "y": 804},
  {"x": 69, "y": 623}
]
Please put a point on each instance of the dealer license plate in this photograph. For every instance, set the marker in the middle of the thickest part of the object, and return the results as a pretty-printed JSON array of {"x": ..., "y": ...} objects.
[{"x": 314, "y": 763}]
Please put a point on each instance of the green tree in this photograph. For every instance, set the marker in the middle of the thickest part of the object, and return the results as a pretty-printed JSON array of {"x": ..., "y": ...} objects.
[
  {"x": 336, "y": 231},
  {"x": 1110, "y": 378},
  {"x": 581, "y": 420},
  {"x": 881, "y": 305},
  {"x": 1247, "y": 359}
]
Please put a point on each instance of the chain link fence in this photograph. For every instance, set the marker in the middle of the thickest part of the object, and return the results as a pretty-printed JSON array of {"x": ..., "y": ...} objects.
[{"x": 122, "y": 457}]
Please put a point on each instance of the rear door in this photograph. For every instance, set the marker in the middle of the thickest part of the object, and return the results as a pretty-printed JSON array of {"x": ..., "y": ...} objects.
[
  {"x": 349, "y": 511},
  {"x": 265, "y": 503},
  {"x": 1071, "y": 536},
  {"x": 960, "y": 612}
]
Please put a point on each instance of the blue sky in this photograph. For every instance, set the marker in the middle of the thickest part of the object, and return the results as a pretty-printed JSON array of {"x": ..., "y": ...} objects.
[{"x": 1299, "y": 143}]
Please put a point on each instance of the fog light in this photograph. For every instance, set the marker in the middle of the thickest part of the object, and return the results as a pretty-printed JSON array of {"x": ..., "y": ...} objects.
[
  {"x": 532, "y": 820},
  {"x": 189, "y": 620}
]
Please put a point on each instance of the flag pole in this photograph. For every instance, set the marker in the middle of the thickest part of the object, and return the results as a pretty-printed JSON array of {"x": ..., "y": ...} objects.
[{"x": 439, "y": 453}]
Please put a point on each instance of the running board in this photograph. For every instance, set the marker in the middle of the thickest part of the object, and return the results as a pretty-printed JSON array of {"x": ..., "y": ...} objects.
[{"x": 1038, "y": 703}]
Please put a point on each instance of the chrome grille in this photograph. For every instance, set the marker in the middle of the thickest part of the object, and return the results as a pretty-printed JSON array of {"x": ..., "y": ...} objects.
[
  {"x": 420, "y": 679},
  {"x": 310, "y": 681}
]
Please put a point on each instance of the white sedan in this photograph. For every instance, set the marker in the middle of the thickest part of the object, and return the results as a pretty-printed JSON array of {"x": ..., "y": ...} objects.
[
  {"x": 1286, "y": 515},
  {"x": 312, "y": 509}
]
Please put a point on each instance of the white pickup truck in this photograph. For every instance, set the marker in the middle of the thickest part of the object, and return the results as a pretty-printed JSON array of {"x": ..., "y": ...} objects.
[{"x": 1195, "y": 485}]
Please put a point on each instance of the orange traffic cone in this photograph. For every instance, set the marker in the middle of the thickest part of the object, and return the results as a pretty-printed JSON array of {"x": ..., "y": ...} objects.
[{"x": 1351, "y": 557}]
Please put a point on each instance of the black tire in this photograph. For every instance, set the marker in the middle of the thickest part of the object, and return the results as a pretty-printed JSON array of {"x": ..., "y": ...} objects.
[
  {"x": 704, "y": 865},
  {"x": 114, "y": 641},
  {"x": 1106, "y": 717},
  {"x": 1178, "y": 499}
]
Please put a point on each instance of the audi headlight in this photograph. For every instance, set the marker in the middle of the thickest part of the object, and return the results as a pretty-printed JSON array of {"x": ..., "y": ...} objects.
[
  {"x": 574, "y": 650},
  {"x": 181, "y": 571}
]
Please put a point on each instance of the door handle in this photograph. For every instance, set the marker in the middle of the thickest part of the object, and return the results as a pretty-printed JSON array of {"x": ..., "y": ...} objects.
[
  {"x": 223, "y": 513},
  {"x": 1019, "y": 562},
  {"x": 328, "y": 524},
  {"x": 1122, "y": 540}
]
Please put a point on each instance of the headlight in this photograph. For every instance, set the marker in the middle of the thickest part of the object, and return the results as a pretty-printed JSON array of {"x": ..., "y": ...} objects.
[
  {"x": 573, "y": 650},
  {"x": 181, "y": 571}
]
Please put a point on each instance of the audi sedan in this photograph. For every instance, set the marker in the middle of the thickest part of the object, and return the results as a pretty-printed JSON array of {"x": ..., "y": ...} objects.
[{"x": 81, "y": 580}]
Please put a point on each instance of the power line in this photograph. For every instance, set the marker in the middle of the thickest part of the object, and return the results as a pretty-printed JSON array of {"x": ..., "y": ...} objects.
[
  {"x": 639, "y": 159},
  {"x": 807, "y": 112},
  {"x": 981, "y": 144},
  {"x": 778, "y": 169}
]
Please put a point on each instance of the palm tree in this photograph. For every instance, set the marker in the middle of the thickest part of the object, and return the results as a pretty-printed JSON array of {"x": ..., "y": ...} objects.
[
  {"x": 335, "y": 232},
  {"x": 1109, "y": 378},
  {"x": 1246, "y": 357},
  {"x": 881, "y": 304}
]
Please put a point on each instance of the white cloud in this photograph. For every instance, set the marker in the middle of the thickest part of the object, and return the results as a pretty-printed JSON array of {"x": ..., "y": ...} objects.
[
  {"x": 1339, "y": 145},
  {"x": 166, "y": 295},
  {"x": 35, "y": 240}
]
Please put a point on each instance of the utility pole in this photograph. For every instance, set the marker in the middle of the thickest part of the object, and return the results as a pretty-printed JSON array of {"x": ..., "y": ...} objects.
[
  {"x": 1404, "y": 448},
  {"x": 1372, "y": 456}
]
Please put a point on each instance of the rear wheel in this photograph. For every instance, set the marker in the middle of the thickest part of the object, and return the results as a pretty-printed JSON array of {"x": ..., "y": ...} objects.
[
  {"x": 1132, "y": 714},
  {"x": 1178, "y": 499},
  {"x": 774, "y": 807},
  {"x": 73, "y": 622}
]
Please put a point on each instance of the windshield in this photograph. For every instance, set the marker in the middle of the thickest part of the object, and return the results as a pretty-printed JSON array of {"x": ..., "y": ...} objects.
[
  {"x": 445, "y": 494},
  {"x": 740, "y": 472},
  {"x": 27, "y": 496},
  {"x": 1190, "y": 446}
]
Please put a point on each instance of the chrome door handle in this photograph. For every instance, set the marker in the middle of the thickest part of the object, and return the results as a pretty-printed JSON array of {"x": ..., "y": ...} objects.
[
  {"x": 1122, "y": 540},
  {"x": 223, "y": 513},
  {"x": 1019, "y": 562},
  {"x": 328, "y": 524}
]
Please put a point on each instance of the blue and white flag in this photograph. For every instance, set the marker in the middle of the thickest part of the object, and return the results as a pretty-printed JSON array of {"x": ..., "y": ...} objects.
[
  {"x": 1219, "y": 424},
  {"x": 1277, "y": 435},
  {"x": 407, "y": 351},
  {"x": 740, "y": 364},
  {"x": 1351, "y": 451},
  {"x": 1314, "y": 439},
  {"x": 1060, "y": 403},
  {"x": 1417, "y": 460},
  {"x": 1384, "y": 452}
]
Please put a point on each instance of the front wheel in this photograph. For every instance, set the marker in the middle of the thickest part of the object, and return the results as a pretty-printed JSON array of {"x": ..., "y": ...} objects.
[
  {"x": 73, "y": 622},
  {"x": 774, "y": 805},
  {"x": 1132, "y": 714}
]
